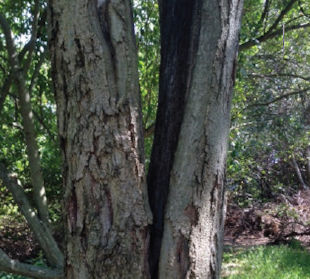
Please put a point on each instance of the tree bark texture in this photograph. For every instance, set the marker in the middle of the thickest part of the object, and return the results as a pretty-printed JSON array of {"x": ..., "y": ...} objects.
[
  {"x": 195, "y": 167},
  {"x": 96, "y": 83},
  {"x": 178, "y": 45}
]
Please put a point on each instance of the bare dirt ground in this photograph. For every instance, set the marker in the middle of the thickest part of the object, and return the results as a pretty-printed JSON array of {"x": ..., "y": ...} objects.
[{"x": 270, "y": 223}]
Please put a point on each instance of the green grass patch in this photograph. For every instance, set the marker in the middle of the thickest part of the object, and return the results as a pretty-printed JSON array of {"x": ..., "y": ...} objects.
[{"x": 267, "y": 262}]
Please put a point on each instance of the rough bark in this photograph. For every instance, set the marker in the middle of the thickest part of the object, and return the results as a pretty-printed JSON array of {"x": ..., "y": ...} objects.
[
  {"x": 97, "y": 94},
  {"x": 178, "y": 44},
  {"x": 193, "y": 224}
]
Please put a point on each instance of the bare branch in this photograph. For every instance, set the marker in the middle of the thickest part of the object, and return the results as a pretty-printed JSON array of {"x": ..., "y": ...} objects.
[
  {"x": 34, "y": 32},
  {"x": 9, "y": 41},
  {"x": 5, "y": 90},
  {"x": 26, "y": 112},
  {"x": 282, "y": 15},
  {"x": 41, "y": 121},
  {"x": 272, "y": 35},
  {"x": 37, "y": 70},
  {"x": 303, "y": 10},
  {"x": 149, "y": 131},
  {"x": 16, "y": 267},
  {"x": 40, "y": 229},
  {"x": 280, "y": 75},
  {"x": 264, "y": 13},
  {"x": 281, "y": 97}
]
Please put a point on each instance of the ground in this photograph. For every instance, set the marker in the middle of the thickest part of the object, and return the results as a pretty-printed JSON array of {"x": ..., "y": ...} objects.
[{"x": 269, "y": 223}]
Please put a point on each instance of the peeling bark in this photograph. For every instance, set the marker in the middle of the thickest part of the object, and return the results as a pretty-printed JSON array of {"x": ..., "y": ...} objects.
[{"x": 99, "y": 118}]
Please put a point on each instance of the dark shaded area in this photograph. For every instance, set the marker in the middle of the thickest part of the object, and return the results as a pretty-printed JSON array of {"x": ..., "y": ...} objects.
[
  {"x": 17, "y": 241},
  {"x": 179, "y": 24}
]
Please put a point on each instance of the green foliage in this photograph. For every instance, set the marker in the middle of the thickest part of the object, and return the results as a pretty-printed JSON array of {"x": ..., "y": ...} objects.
[
  {"x": 272, "y": 262},
  {"x": 11, "y": 276},
  {"x": 270, "y": 105},
  {"x": 148, "y": 41}
]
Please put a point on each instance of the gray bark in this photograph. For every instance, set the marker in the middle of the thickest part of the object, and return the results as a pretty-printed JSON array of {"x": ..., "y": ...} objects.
[
  {"x": 37, "y": 180},
  {"x": 193, "y": 225},
  {"x": 18, "y": 75},
  {"x": 96, "y": 82}
]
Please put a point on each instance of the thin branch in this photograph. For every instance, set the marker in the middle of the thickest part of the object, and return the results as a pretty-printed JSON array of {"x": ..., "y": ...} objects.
[
  {"x": 149, "y": 131},
  {"x": 26, "y": 112},
  {"x": 280, "y": 97},
  {"x": 280, "y": 75},
  {"x": 302, "y": 10},
  {"x": 29, "y": 43},
  {"x": 37, "y": 70},
  {"x": 272, "y": 35},
  {"x": 16, "y": 267},
  {"x": 5, "y": 90},
  {"x": 264, "y": 13},
  {"x": 41, "y": 121},
  {"x": 282, "y": 15},
  {"x": 40, "y": 229},
  {"x": 9, "y": 41},
  {"x": 34, "y": 32}
]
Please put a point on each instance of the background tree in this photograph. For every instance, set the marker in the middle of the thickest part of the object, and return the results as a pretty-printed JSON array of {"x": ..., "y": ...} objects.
[
  {"x": 269, "y": 134},
  {"x": 16, "y": 68}
]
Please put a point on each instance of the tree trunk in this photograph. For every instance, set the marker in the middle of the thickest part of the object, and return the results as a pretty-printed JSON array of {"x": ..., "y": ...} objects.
[
  {"x": 96, "y": 84},
  {"x": 99, "y": 117},
  {"x": 298, "y": 173},
  {"x": 195, "y": 95},
  {"x": 178, "y": 45},
  {"x": 308, "y": 163}
]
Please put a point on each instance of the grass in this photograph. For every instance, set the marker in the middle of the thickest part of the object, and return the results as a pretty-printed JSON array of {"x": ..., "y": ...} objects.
[
  {"x": 262, "y": 262},
  {"x": 267, "y": 262}
]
